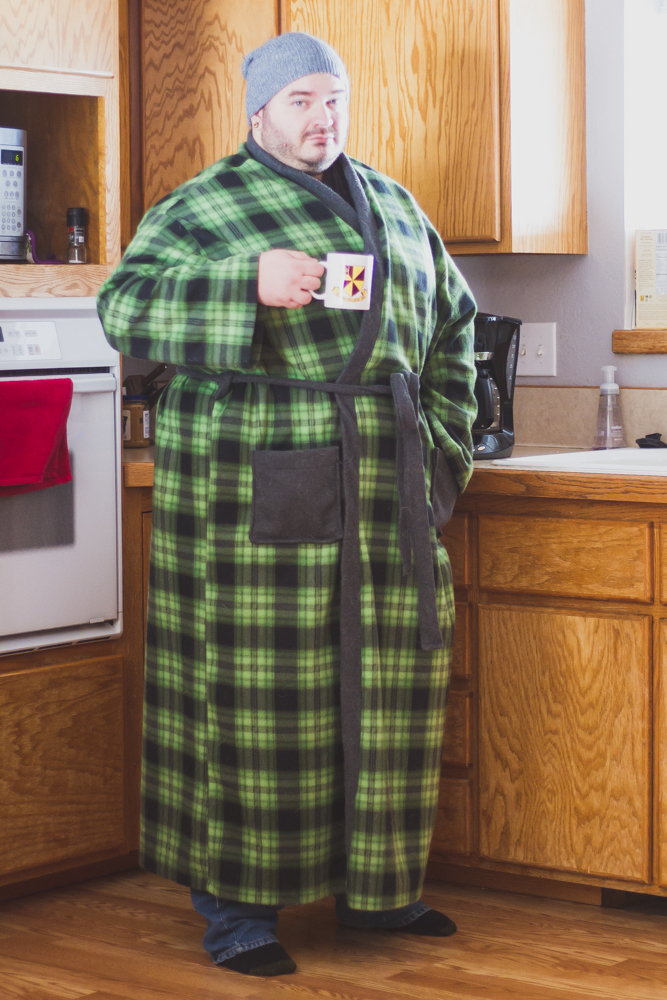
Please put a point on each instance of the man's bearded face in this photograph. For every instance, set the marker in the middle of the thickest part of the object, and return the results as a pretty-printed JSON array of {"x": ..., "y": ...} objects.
[{"x": 305, "y": 124}]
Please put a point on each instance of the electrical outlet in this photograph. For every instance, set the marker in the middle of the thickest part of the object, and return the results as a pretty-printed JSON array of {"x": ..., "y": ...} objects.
[{"x": 537, "y": 349}]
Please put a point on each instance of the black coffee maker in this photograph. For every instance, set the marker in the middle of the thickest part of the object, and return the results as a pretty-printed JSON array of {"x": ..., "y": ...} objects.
[{"x": 496, "y": 355}]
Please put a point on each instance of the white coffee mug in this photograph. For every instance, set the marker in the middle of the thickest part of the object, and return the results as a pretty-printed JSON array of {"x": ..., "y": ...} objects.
[{"x": 348, "y": 281}]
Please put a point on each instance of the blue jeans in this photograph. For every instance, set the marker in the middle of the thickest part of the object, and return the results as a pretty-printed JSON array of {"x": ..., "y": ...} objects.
[
  {"x": 382, "y": 919},
  {"x": 235, "y": 927}
]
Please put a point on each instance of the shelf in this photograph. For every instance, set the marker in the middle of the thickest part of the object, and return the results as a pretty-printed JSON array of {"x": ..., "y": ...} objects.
[
  {"x": 26, "y": 280},
  {"x": 639, "y": 341}
]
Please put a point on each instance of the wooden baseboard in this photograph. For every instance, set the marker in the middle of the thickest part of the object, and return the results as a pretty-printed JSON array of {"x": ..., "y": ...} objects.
[
  {"x": 639, "y": 341},
  {"x": 527, "y": 885},
  {"x": 69, "y": 876}
]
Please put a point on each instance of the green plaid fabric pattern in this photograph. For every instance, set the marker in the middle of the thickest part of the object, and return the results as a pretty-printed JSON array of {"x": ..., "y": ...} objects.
[{"x": 242, "y": 777}]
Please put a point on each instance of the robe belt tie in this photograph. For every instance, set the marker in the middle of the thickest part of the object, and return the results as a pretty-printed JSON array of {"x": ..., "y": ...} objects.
[{"x": 415, "y": 535}]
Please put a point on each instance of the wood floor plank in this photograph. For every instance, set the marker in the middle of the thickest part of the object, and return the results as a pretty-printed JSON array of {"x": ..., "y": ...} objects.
[
  {"x": 637, "y": 969},
  {"x": 143, "y": 885},
  {"x": 106, "y": 996},
  {"x": 129, "y": 990},
  {"x": 107, "y": 966},
  {"x": 135, "y": 936},
  {"x": 514, "y": 911},
  {"x": 22, "y": 986},
  {"x": 483, "y": 987}
]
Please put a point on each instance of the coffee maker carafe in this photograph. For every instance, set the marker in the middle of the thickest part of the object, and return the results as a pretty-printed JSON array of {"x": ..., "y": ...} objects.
[{"x": 496, "y": 354}]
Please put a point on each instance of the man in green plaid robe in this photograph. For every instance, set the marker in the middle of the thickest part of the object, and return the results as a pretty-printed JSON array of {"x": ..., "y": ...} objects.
[{"x": 298, "y": 645}]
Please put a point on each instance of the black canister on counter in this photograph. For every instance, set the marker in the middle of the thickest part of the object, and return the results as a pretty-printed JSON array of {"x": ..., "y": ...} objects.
[{"x": 77, "y": 250}]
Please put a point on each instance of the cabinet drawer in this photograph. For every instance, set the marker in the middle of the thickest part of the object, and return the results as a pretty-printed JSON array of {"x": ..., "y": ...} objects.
[
  {"x": 455, "y": 539},
  {"x": 565, "y": 556},
  {"x": 456, "y": 746},
  {"x": 453, "y": 821}
]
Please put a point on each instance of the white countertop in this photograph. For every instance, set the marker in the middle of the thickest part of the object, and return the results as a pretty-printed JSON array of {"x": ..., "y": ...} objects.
[{"x": 613, "y": 461}]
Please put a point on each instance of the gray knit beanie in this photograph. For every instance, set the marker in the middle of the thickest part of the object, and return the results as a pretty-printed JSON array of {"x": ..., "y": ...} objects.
[{"x": 283, "y": 59}]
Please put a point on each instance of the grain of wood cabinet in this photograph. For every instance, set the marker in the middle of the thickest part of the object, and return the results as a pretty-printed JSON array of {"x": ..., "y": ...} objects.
[
  {"x": 476, "y": 106},
  {"x": 70, "y": 743},
  {"x": 59, "y": 80},
  {"x": 559, "y": 693},
  {"x": 70, "y": 717},
  {"x": 61, "y": 747},
  {"x": 193, "y": 91}
]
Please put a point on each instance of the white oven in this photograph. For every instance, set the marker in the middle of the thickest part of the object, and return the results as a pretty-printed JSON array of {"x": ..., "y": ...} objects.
[{"x": 60, "y": 548}]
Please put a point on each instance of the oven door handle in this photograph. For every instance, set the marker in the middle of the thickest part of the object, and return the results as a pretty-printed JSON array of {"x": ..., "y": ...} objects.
[{"x": 94, "y": 383}]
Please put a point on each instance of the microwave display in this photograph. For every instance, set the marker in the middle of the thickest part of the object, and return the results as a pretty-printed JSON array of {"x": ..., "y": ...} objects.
[{"x": 12, "y": 156}]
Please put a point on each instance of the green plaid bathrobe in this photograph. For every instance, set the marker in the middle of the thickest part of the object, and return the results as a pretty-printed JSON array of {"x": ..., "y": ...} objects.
[{"x": 295, "y": 691}]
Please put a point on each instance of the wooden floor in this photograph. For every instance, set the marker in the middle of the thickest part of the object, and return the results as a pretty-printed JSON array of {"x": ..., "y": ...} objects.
[{"x": 135, "y": 937}]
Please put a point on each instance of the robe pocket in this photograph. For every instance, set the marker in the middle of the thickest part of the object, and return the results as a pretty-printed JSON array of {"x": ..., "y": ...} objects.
[{"x": 296, "y": 497}]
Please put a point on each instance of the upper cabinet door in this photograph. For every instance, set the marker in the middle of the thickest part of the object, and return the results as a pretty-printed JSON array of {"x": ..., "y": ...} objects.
[
  {"x": 476, "y": 106},
  {"x": 193, "y": 91},
  {"x": 425, "y": 102},
  {"x": 59, "y": 34}
]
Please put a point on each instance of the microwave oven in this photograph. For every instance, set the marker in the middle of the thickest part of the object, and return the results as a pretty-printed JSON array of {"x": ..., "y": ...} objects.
[{"x": 13, "y": 143}]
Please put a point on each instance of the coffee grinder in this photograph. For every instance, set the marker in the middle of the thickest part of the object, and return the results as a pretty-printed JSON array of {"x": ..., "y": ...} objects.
[{"x": 496, "y": 355}]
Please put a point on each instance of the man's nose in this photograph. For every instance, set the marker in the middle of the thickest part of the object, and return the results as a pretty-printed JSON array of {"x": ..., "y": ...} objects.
[{"x": 322, "y": 115}]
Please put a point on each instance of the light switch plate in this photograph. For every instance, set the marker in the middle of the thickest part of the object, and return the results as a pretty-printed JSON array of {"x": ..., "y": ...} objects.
[{"x": 537, "y": 349}]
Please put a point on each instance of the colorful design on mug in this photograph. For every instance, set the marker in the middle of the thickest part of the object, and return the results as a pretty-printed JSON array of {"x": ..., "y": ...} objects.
[{"x": 353, "y": 282}]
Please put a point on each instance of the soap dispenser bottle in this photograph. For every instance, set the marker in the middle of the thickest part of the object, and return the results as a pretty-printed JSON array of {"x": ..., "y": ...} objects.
[{"x": 609, "y": 432}]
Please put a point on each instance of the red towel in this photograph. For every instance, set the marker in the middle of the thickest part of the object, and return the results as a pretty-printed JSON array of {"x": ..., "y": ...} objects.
[{"x": 33, "y": 434}]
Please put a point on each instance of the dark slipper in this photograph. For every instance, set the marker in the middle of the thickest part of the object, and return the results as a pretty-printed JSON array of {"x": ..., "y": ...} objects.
[
  {"x": 430, "y": 924},
  {"x": 267, "y": 960}
]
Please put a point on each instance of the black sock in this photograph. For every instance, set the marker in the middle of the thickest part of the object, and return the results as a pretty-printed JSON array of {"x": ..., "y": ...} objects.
[
  {"x": 430, "y": 924},
  {"x": 267, "y": 960}
]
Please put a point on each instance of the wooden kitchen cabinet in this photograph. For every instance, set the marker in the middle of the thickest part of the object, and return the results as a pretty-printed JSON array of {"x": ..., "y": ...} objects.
[
  {"x": 425, "y": 99},
  {"x": 193, "y": 93},
  {"x": 70, "y": 716},
  {"x": 476, "y": 106},
  {"x": 70, "y": 742},
  {"x": 61, "y": 746},
  {"x": 660, "y": 755},
  {"x": 562, "y": 628},
  {"x": 564, "y": 740},
  {"x": 59, "y": 80},
  {"x": 65, "y": 36}
]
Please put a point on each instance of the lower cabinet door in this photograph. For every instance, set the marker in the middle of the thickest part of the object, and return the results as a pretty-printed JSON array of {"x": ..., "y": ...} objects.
[
  {"x": 660, "y": 839},
  {"x": 564, "y": 740},
  {"x": 62, "y": 749},
  {"x": 453, "y": 825}
]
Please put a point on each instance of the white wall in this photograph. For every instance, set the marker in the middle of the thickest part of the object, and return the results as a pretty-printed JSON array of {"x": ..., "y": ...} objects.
[
  {"x": 645, "y": 128},
  {"x": 585, "y": 295}
]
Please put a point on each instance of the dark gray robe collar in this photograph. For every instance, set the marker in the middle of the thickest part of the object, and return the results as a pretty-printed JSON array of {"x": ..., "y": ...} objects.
[
  {"x": 361, "y": 219},
  {"x": 320, "y": 190}
]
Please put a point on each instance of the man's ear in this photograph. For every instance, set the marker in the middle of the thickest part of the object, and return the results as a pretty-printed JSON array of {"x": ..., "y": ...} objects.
[{"x": 256, "y": 121}]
